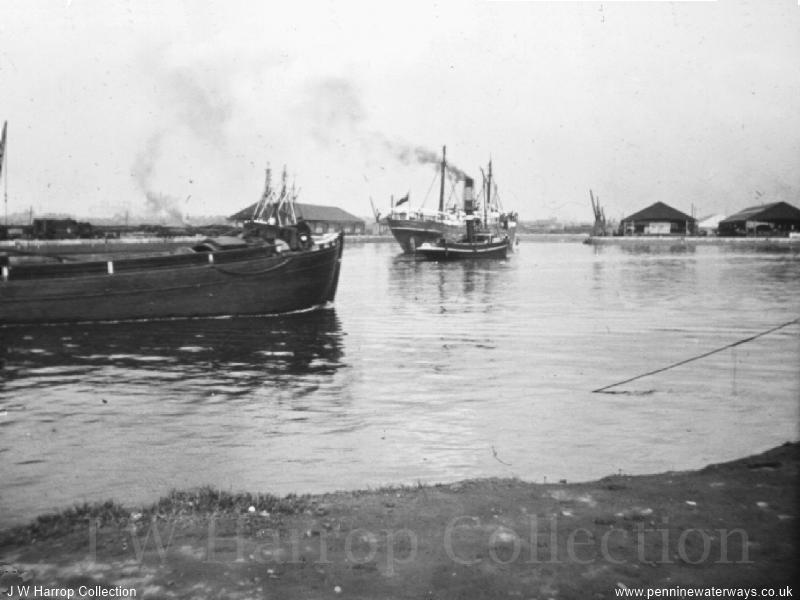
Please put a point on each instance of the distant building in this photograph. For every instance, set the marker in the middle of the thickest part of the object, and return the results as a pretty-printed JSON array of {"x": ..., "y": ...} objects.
[
  {"x": 321, "y": 219},
  {"x": 60, "y": 229},
  {"x": 775, "y": 219},
  {"x": 658, "y": 219},
  {"x": 709, "y": 225},
  {"x": 378, "y": 227},
  {"x": 13, "y": 232}
]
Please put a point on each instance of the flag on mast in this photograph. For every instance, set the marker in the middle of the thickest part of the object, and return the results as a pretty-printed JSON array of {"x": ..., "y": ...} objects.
[{"x": 3, "y": 146}]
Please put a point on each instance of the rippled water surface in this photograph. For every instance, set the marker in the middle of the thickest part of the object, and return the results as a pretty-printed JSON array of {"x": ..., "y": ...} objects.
[{"x": 422, "y": 372}]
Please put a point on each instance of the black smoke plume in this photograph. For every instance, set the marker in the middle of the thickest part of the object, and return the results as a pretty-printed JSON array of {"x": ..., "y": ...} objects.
[{"x": 334, "y": 107}]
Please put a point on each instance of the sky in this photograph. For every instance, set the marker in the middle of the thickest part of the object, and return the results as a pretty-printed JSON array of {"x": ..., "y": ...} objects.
[{"x": 173, "y": 109}]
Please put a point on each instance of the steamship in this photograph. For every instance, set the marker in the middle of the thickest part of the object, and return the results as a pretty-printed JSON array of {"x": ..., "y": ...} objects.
[
  {"x": 414, "y": 227},
  {"x": 478, "y": 241}
]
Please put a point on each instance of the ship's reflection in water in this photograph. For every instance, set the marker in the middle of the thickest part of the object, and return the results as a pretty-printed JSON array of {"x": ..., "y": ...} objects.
[
  {"x": 470, "y": 283},
  {"x": 235, "y": 356},
  {"x": 130, "y": 410}
]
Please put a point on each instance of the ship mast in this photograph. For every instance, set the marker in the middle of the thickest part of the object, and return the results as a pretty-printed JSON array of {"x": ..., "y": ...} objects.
[
  {"x": 441, "y": 187},
  {"x": 3, "y": 162},
  {"x": 488, "y": 195},
  {"x": 261, "y": 205},
  {"x": 280, "y": 211}
]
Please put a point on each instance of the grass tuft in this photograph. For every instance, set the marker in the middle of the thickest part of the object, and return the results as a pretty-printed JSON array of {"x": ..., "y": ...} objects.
[{"x": 203, "y": 501}]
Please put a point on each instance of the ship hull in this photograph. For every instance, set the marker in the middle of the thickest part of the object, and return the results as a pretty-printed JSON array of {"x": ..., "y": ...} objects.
[
  {"x": 410, "y": 233},
  {"x": 446, "y": 251},
  {"x": 249, "y": 281}
]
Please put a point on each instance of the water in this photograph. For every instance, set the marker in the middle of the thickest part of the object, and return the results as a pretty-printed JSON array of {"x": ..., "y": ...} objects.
[{"x": 423, "y": 372}]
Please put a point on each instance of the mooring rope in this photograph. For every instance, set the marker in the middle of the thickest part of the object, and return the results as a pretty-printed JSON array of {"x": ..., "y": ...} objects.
[{"x": 698, "y": 357}]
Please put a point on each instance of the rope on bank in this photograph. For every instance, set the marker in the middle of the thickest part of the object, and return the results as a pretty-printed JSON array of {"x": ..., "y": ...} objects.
[{"x": 602, "y": 390}]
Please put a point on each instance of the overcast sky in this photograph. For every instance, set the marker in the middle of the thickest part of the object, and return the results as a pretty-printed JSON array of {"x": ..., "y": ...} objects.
[{"x": 122, "y": 106}]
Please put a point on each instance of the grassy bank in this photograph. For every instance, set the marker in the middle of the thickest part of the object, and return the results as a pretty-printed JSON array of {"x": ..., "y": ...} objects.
[{"x": 731, "y": 525}]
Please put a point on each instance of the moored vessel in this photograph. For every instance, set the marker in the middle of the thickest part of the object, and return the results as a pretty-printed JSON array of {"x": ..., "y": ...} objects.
[{"x": 274, "y": 266}]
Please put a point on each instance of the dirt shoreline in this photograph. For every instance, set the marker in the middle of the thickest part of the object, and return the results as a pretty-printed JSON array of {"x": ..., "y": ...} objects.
[{"x": 727, "y": 526}]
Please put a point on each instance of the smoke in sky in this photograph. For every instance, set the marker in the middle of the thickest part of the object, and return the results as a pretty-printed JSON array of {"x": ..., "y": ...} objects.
[
  {"x": 191, "y": 101},
  {"x": 159, "y": 207},
  {"x": 145, "y": 162},
  {"x": 163, "y": 209},
  {"x": 408, "y": 154},
  {"x": 202, "y": 104},
  {"x": 336, "y": 111}
]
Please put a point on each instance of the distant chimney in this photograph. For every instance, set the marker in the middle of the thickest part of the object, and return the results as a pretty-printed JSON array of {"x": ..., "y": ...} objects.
[{"x": 469, "y": 197}]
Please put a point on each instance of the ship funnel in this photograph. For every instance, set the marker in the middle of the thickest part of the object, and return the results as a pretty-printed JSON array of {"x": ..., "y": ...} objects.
[{"x": 469, "y": 195}]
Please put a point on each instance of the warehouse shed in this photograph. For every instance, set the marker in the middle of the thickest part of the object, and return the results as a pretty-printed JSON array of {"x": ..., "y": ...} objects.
[
  {"x": 658, "y": 219},
  {"x": 321, "y": 219},
  {"x": 775, "y": 219}
]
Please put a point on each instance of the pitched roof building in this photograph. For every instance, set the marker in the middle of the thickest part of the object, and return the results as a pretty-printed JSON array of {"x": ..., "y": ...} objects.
[
  {"x": 776, "y": 218},
  {"x": 658, "y": 219},
  {"x": 321, "y": 219}
]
